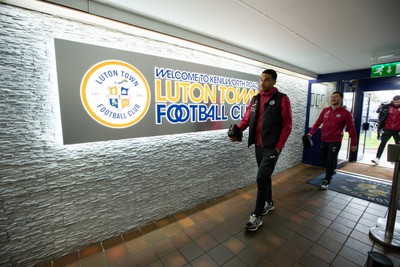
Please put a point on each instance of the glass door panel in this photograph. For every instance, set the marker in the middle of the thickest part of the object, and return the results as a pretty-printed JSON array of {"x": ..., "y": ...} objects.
[
  {"x": 320, "y": 99},
  {"x": 348, "y": 103},
  {"x": 320, "y": 94}
]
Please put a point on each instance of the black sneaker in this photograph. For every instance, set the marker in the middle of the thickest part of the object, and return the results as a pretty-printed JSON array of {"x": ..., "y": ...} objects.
[
  {"x": 253, "y": 223},
  {"x": 325, "y": 185},
  {"x": 268, "y": 206}
]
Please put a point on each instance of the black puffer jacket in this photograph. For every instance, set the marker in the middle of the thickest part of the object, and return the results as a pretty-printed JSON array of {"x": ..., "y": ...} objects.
[
  {"x": 272, "y": 120},
  {"x": 382, "y": 116}
]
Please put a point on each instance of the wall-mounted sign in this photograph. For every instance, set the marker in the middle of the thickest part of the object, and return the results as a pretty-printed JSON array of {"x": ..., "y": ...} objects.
[
  {"x": 384, "y": 70},
  {"x": 109, "y": 94}
]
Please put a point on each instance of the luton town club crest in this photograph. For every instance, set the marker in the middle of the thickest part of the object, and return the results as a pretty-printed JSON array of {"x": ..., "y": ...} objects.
[{"x": 115, "y": 94}]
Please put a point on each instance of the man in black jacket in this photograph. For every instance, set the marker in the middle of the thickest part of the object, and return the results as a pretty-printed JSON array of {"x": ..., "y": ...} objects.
[
  {"x": 269, "y": 119},
  {"x": 381, "y": 110},
  {"x": 389, "y": 124}
]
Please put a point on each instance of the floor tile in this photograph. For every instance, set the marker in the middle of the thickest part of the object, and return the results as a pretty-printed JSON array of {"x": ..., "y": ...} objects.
[
  {"x": 236, "y": 262},
  {"x": 349, "y": 216},
  {"x": 180, "y": 240},
  {"x": 191, "y": 251},
  {"x": 137, "y": 244},
  {"x": 322, "y": 253},
  {"x": 94, "y": 260},
  {"x": 309, "y": 233},
  {"x": 174, "y": 259},
  {"x": 345, "y": 221},
  {"x": 274, "y": 239},
  {"x": 220, "y": 254},
  {"x": 281, "y": 259},
  {"x": 358, "y": 245},
  {"x": 353, "y": 255},
  {"x": 342, "y": 261},
  {"x": 250, "y": 257},
  {"x": 131, "y": 235},
  {"x": 86, "y": 252},
  {"x": 220, "y": 234},
  {"x": 339, "y": 237},
  {"x": 207, "y": 242},
  {"x": 340, "y": 228},
  {"x": 234, "y": 245},
  {"x": 330, "y": 244},
  {"x": 163, "y": 247},
  {"x": 116, "y": 252},
  {"x": 108, "y": 243},
  {"x": 204, "y": 260},
  {"x": 311, "y": 260},
  {"x": 145, "y": 257}
]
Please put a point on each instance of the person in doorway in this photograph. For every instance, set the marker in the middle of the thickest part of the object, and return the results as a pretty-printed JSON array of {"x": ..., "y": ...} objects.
[
  {"x": 389, "y": 124},
  {"x": 269, "y": 119},
  {"x": 334, "y": 119},
  {"x": 378, "y": 110}
]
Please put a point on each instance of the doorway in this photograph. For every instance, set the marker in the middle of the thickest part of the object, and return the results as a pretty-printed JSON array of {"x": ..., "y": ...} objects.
[
  {"x": 366, "y": 122},
  {"x": 368, "y": 141},
  {"x": 362, "y": 96}
]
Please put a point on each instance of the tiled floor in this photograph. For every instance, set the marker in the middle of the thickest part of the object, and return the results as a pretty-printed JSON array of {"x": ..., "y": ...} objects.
[{"x": 308, "y": 227}]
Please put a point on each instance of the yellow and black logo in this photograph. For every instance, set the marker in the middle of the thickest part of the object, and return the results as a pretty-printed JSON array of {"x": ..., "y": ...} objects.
[{"x": 115, "y": 94}]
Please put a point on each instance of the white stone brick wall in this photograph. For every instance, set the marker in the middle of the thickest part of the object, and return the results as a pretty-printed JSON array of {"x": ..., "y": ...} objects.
[{"x": 55, "y": 199}]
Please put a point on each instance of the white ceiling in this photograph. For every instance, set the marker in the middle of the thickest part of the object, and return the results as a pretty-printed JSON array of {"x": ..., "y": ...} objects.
[{"x": 320, "y": 36}]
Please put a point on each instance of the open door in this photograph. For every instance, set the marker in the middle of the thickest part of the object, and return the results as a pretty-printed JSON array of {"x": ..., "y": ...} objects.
[
  {"x": 319, "y": 98},
  {"x": 369, "y": 142},
  {"x": 362, "y": 98},
  {"x": 348, "y": 103},
  {"x": 366, "y": 126}
]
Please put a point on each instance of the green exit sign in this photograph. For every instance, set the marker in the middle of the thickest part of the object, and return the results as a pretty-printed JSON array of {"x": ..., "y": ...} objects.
[{"x": 383, "y": 70}]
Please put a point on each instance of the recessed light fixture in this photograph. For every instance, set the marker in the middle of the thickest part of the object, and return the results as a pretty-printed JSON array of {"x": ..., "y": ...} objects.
[{"x": 386, "y": 58}]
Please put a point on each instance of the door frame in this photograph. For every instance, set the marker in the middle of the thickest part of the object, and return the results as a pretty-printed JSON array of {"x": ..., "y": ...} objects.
[{"x": 312, "y": 156}]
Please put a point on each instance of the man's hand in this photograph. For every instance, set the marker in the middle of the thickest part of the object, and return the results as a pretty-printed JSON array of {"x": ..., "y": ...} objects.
[
  {"x": 234, "y": 133},
  {"x": 353, "y": 148}
]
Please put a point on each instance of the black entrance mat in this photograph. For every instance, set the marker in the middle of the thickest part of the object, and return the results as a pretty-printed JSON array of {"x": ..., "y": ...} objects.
[{"x": 358, "y": 186}]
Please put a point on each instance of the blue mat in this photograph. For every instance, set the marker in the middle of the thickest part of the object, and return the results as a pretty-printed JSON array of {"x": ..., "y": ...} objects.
[{"x": 376, "y": 191}]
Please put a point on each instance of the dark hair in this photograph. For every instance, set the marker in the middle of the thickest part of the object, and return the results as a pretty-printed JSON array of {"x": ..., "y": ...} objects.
[
  {"x": 397, "y": 97},
  {"x": 271, "y": 72},
  {"x": 339, "y": 93}
]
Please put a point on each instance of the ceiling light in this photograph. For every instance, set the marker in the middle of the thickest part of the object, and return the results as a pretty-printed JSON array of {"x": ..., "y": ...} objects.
[{"x": 386, "y": 58}]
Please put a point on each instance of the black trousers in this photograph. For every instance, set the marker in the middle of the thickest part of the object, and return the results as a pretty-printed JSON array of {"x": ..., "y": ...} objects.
[
  {"x": 330, "y": 152},
  {"x": 266, "y": 161},
  {"x": 386, "y": 135}
]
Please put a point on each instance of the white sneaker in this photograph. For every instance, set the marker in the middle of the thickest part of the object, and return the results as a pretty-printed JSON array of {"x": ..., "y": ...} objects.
[{"x": 375, "y": 161}]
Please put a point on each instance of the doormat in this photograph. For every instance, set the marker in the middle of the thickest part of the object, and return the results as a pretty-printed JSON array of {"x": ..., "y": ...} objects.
[{"x": 358, "y": 186}]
